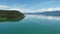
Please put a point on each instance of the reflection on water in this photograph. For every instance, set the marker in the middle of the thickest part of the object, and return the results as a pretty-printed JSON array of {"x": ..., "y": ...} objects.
[
  {"x": 11, "y": 19},
  {"x": 44, "y": 17},
  {"x": 32, "y": 24}
]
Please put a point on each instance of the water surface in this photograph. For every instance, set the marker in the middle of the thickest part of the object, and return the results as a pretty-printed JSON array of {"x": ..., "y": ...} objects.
[{"x": 32, "y": 24}]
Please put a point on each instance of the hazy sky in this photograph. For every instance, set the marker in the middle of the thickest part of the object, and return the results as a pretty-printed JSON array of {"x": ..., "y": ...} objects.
[{"x": 30, "y": 5}]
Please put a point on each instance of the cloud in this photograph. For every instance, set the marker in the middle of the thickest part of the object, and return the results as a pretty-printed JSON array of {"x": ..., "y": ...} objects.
[
  {"x": 23, "y": 10},
  {"x": 3, "y": 6},
  {"x": 34, "y": 11},
  {"x": 49, "y": 9}
]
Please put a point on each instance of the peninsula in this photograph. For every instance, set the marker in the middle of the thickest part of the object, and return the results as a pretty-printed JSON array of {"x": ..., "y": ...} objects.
[{"x": 10, "y": 15}]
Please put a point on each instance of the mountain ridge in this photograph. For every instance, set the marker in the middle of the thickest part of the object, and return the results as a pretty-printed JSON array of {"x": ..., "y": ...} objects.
[{"x": 47, "y": 13}]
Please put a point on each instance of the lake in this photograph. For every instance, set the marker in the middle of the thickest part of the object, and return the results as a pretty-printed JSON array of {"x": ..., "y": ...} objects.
[{"x": 32, "y": 24}]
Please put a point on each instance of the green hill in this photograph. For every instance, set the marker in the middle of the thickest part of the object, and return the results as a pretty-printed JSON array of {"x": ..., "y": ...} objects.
[{"x": 10, "y": 15}]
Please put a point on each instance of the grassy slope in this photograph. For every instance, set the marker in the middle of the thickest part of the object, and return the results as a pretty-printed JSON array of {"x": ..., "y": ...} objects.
[{"x": 10, "y": 15}]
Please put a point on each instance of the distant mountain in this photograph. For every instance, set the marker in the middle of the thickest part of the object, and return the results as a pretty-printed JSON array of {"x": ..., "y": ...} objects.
[
  {"x": 52, "y": 13},
  {"x": 47, "y": 13}
]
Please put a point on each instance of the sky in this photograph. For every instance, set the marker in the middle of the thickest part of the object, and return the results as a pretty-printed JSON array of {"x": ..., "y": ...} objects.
[{"x": 30, "y": 6}]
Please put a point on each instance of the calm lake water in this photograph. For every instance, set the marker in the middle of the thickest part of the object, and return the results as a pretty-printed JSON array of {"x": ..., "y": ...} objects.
[{"x": 32, "y": 24}]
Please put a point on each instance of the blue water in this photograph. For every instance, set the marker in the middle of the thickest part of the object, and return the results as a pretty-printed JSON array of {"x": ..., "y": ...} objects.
[{"x": 31, "y": 24}]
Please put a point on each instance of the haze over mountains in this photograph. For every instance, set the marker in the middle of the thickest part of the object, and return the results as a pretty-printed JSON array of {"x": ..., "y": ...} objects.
[{"x": 47, "y": 13}]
